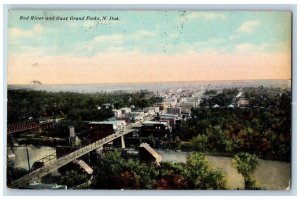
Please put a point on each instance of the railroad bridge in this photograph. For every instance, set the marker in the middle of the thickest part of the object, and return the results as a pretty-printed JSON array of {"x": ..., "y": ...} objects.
[
  {"x": 53, "y": 163},
  {"x": 29, "y": 125}
]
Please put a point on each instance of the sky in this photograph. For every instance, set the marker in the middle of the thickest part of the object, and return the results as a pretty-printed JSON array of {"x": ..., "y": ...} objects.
[{"x": 84, "y": 47}]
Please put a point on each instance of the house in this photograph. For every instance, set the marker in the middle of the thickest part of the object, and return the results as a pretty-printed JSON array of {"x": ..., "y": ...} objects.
[
  {"x": 151, "y": 110},
  {"x": 117, "y": 113},
  {"x": 125, "y": 111},
  {"x": 230, "y": 106},
  {"x": 242, "y": 103},
  {"x": 216, "y": 106}
]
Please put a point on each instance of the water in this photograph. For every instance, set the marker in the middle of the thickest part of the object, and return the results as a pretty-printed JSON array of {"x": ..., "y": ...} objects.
[
  {"x": 131, "y": 87},
  {"x": 271, "y": 175},
  {"x": 35, "y": 153}
]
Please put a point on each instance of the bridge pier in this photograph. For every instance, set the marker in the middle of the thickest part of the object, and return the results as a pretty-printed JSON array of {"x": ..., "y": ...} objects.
[
  {"x": 122, "y": 142},
  {"x": 14, "y": 141}
]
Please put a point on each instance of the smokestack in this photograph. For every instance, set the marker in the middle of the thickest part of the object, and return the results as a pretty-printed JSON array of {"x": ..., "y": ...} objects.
[{"x": 72, "y": 131}]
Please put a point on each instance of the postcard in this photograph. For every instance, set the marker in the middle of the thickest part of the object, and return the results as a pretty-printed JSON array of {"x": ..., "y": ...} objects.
[{"x": 149, "y": 100}]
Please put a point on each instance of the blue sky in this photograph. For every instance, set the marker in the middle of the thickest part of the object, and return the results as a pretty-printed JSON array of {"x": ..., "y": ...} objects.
[{"x": 149, "y": 33}]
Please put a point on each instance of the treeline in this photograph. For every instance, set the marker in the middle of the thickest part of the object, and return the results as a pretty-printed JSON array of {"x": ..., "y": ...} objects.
[
  {"x": 24, "y": 104},
  {"x": 115, "y": 172},
  {"x": 263, "y": 128}
]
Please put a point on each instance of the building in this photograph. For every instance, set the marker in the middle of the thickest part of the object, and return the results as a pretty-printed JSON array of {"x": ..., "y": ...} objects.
[
  {"x": 117, "y": 113},
  {"x": 174, "y": 110},
  {"x": 242, "y": 103},
  {"x": 151, "y": 110},
  {"x": 137, "y": 116},
  {"x": 117, "y": 125},
  {"x": 182, "y": 99},
  {"x": 187, "y": 106},
  {"x": 125, "y": 111},
  {"x": 171, "y": 101},
  {"x": 157, "y": 128},
  {"x": 230, "y": 106},
  {"x": 195, "y": 101},
  {"x": 216, "y": 106},
  {"x": 173, "y": 120}
]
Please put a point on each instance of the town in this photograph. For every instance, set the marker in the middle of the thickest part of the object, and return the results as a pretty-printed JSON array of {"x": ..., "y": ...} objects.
[{"x": 118, "y": 140}]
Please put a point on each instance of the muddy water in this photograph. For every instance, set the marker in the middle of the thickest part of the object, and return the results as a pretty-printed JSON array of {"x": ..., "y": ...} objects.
[
  {"x": 272, "y": 175},
  {"x": 35, "y": 153}
]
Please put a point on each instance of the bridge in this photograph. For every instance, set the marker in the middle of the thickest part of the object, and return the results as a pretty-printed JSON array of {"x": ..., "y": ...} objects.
[
  {"x": 54, "y": 163},
  {"x": 29, "y": 125},
  {"x": 22, "y": 126}
]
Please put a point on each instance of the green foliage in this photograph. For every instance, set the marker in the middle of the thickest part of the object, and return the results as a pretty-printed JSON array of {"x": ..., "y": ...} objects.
[
  {"x": 199, "y": 143},
  {"x": 23, "y": 104},
  {"x": 263, "y": 128},
  {"x": 201, "y": 175},
  {"x": 134, "y": 175},
  {"x": 246, "y": 164},
  {"x": 71, "y": 179},
  {"x": 114, "y": 172}
]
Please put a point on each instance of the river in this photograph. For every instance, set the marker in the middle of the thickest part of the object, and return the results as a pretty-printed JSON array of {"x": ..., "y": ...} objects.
[
  {"x": 272, "y": 175},
  {"x": 35, "y": 153}
]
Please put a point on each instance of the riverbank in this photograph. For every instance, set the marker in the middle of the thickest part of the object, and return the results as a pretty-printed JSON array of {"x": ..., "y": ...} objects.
[{"x": 270, "y": 175}]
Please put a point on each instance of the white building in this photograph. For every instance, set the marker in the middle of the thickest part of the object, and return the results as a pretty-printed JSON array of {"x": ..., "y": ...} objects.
[
  {"x": 196, "y": 101},
  {"x": 117, "y": 113},
  {"x": 151, "y": 110},
  {"x": 172, "y": 101},
  {"x": 187, "y": 106},
  {"x": 118, "y": 125},
  {"x": 135, "y": 116},
  {"x": 125, "y": 111}
]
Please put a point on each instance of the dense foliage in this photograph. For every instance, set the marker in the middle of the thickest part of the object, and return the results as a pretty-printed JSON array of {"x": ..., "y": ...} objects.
[
  {"x": 71, "y": 179},
  {"x": 262, "y": 128},
  {"x": 115, "y": 172},
  {"x": 24, "y": 104}
]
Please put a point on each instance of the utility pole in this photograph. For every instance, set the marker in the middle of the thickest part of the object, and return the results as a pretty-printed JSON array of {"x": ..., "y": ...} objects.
[{"x": 28, "y": 158}]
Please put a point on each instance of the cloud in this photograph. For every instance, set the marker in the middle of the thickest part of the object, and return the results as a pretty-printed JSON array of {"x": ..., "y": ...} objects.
[
  {"x": 115, "y": 38},
  {"x": 120, "y": 38},
  {"x": 265, "y": 47},
  {"x": 248, "y": 48},
  {"x": 17, "y": 32},
  {"x": 248, "y": 26}
]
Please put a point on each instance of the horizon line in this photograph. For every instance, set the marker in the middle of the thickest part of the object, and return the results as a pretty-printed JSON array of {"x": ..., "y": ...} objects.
[{"x": 153, "y": 82}]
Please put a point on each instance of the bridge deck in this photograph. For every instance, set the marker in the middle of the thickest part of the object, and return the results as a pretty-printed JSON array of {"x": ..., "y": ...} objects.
[{"x": 57, "y": 163}]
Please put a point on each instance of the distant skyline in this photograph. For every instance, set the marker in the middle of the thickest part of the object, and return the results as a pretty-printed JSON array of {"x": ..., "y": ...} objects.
[{"x": 148, "y": 46}]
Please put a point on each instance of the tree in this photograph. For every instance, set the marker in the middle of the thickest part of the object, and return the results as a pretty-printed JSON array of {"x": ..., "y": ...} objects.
[
  {"x": 201, "y": 175},
  {"x": 246, "y": 164}
]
